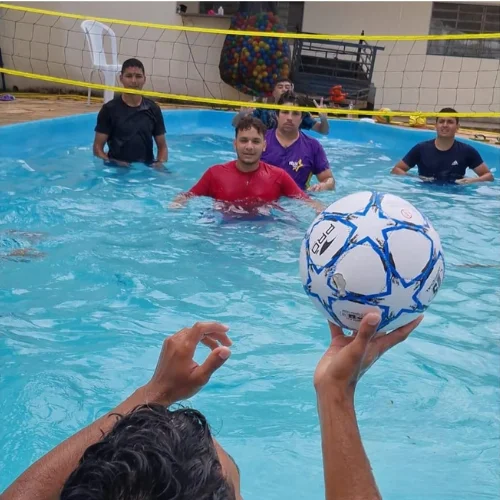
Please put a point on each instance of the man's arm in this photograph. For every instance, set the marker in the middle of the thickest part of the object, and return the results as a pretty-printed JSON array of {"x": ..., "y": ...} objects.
[
  {"x": 322, "y": 127},
  {"x": 326, "y": 181},
  {"x": 159, "y": 132},
  {"x": 290, "y": 189},
  {"x": 100, "y": 140},
  {"x": 102, "y": 132},
  {"x": 161, "y": 144},
  {"x": 347, "y": 470},
  {"x": 201, "y": 188},
  {"x": 411, "y": 159},
  {"x": 181, "y": 200},
  {"x": 484, "y": 174},
  {"x": 98, "y": 149},
  {"x": 401, "y": 168},
  {"x": 177, "y": 377},
  {"x": 321, "y": 169}
]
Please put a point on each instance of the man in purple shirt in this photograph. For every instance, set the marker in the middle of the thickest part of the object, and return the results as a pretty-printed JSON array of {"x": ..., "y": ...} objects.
[{"x": 298, "y": 154}]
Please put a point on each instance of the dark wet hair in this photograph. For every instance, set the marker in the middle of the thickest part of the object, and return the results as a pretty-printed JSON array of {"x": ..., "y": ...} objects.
[
  {"x": 290, "y": 97},
  {"x": 448, "y": 110},
  {"x": 248, "y": 122},
  {"x": 133, "y": 63},
  {"x": 152, "y": 453},
  {"x": 283, "y": 79}
]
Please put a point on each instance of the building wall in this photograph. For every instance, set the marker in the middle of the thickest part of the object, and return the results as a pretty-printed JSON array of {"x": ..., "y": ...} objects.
[
  {"x": 178, "y": 62},
  {"x": 187, "y": 63},
  {"x": 406, "y": 78}
]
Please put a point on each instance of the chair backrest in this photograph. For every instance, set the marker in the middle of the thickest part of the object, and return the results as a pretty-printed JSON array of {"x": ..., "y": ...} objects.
[{"x": 95, "y": 33}]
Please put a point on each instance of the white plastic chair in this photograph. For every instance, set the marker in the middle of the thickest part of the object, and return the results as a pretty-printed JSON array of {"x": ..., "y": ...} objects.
[{"x": 95, "y": 33}]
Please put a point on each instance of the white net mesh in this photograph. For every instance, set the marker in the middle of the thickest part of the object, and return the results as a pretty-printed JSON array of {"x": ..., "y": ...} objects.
[{"x": 406, "y": 75}]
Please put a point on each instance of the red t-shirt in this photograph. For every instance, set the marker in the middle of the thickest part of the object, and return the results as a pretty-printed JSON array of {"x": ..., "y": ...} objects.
[{"x": 266, "y": 184}]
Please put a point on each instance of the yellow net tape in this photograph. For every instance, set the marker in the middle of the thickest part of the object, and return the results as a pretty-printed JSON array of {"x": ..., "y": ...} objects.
[
  {"x": 306, "y": 36},
  {"x": 230, "y": 103}
]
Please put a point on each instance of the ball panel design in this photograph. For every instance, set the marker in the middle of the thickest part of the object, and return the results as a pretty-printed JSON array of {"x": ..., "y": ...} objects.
[
  {"x": 410, "y": 252},
  {"x": 431, "y": 285},
  {"x": 349, "y": 313},
  {"x": 360, "y": 270},
  {"x": 356, "y": 202},
  {"x": 326, "y": 239},
  {"x": 401, "y": 210}
]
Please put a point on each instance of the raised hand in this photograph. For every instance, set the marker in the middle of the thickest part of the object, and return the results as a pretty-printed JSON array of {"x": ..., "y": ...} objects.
[
  {"x": 348, "y": 357},
  {"x": 320, "y": 106},
  {"x": 177, "y": 375}
]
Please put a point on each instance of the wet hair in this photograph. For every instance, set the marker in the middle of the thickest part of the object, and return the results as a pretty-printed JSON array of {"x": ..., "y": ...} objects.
[
  {"x": 282, "y": 80},
  {"x": 152, "y": 453},
  {"x": 448, "y": 110},
  {"x": 133, "y": 63},
  {"x": 248, "y": 122},
  {"x": 290, "y": 97}
]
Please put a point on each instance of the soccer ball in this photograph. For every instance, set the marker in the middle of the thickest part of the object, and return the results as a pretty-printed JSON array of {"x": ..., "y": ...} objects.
[{"x": 371, "y": 252}]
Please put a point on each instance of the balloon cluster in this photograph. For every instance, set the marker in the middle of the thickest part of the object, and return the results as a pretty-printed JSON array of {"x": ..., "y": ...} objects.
[{"x": 253, "y": 64}]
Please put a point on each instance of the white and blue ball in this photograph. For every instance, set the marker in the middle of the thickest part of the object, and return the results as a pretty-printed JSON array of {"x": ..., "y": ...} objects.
[{"x": 371, "y": 252}]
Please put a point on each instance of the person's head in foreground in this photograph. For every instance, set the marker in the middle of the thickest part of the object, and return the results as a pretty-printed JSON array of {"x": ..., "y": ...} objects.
[
  {"x": 447, "y": 126},
  {"x": 289, "y": 120},
  {"x": 249, "y": 142},
  {"x": 282, "y": 85},
  {"x": 155, "y": 453},
  {"x": 132, "y": 75}
]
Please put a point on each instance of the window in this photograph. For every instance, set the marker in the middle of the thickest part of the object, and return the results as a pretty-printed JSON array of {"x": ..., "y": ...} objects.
[
  {"x": 289, "y": 13},
  {"x": 457, "y": 18}
]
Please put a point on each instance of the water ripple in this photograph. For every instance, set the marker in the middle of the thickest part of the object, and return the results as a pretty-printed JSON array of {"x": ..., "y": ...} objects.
[{"x": 81, "y": 327}]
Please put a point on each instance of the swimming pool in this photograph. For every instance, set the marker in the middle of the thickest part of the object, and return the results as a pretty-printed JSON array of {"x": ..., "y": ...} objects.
[{"x": 82, "y": 327}]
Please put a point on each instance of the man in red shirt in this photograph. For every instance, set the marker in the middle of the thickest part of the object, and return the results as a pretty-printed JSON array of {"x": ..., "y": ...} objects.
[{"x": 247, "y": 181}]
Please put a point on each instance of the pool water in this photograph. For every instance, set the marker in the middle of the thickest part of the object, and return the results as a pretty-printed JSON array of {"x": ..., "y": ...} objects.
[{"x": 82, "y": 326}]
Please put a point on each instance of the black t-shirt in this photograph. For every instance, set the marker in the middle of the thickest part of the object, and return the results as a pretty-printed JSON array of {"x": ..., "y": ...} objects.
[
  {"x": 445, "y": 166},
  {"x": 130, "y": 129}
]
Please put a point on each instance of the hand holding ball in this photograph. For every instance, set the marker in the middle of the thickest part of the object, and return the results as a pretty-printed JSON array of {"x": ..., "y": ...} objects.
[{"x": 371, "y": 252}]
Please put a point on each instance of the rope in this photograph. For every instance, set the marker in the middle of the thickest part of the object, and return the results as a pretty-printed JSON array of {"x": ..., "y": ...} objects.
[
  {"x": 224, "y": 102},
  {"x": 305, "y": 36}
]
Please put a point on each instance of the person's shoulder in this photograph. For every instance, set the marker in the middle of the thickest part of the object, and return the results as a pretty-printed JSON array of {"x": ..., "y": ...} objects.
[
  {"x": 463, "y": 146},
  {"x": 113, "y": 103},
  {"x": 222, "y": 167},
  {"x": 425, "y": 144},
  {"x": 310, "y": 141},
  {"x": 150, "y": 103},
  {"x": 270, "y": 134},
  {"x": 270, "y": 169}
]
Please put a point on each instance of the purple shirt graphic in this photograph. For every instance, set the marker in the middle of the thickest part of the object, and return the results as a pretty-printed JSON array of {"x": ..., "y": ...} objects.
[{"x": 303, "y": 159}]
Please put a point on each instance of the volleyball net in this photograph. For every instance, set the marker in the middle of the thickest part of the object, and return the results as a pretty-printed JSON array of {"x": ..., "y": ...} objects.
[{"x": 356, "y": 74}]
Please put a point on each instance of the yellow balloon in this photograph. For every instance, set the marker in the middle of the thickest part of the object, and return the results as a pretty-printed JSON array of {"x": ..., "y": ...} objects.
[
  {"x": 417, "y": 121},
  {"x": 383, "y": 119}
]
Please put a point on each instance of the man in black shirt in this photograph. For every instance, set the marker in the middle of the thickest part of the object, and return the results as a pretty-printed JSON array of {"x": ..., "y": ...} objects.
[
  {"x": 129, "y": 122},
  {"x": 444, "y": 159}
]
